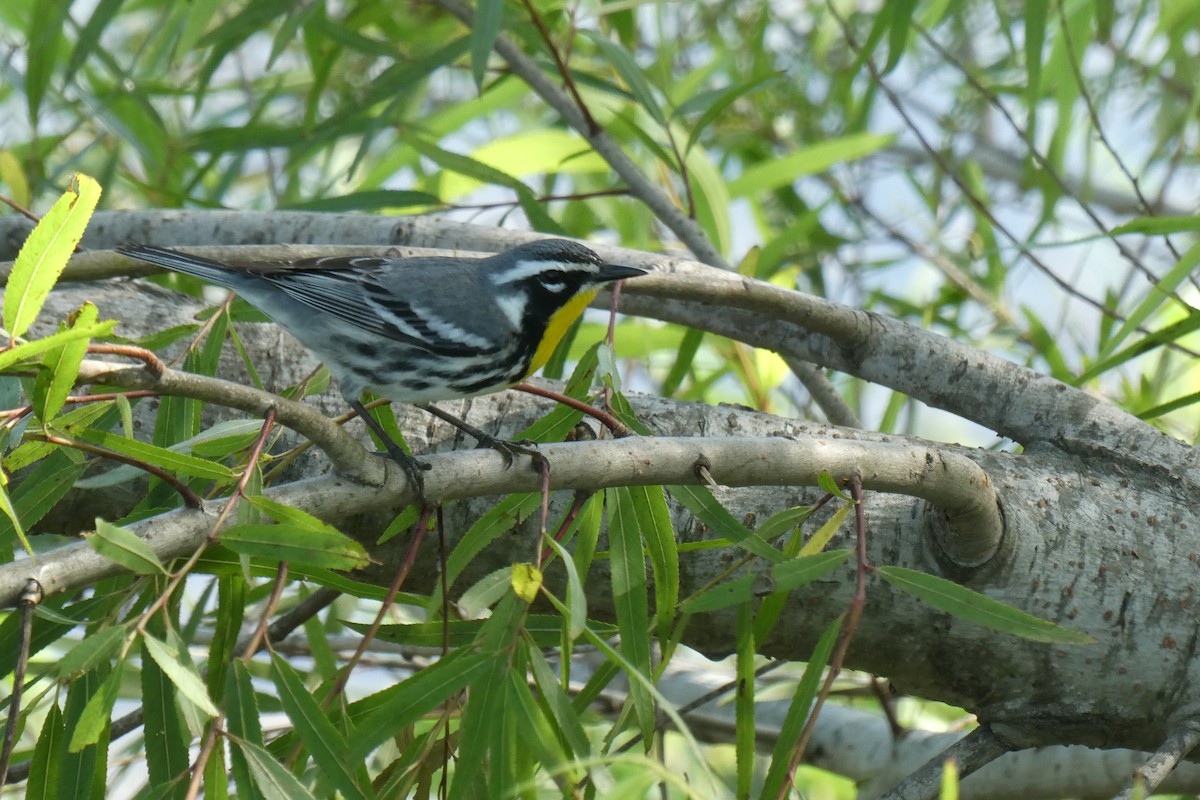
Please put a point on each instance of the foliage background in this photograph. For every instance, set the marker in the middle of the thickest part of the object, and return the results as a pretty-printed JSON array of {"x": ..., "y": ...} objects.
[{"x": 1019, "y": 181}]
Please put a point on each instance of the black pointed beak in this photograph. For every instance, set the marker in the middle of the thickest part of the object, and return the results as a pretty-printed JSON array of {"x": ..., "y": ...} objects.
[{"x": 616, "y": 272}]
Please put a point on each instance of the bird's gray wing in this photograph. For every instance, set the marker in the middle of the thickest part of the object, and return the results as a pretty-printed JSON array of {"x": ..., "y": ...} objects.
[{"x": 362, "y": 297}]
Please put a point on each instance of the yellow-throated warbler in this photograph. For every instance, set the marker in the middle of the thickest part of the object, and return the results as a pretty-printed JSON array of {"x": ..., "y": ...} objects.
[{"x": 418, "y": 329}]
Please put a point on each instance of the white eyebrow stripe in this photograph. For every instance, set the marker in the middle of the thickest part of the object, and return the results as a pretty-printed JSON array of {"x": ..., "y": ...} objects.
[{"x": 527, "y": 269}]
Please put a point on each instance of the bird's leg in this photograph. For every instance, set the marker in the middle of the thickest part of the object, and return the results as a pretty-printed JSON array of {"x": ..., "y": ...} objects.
[
  {"x": 411, "y": 466},
  {"x": 502, "y": 446}
]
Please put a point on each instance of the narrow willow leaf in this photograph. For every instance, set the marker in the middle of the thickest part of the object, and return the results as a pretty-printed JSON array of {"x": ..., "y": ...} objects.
[
  {"x": 774, "y": 173},
  {"x": 395, "y": 708},
  {"x": 287, "y": 514},
  {"x": 480, "y": 596},
  {"x": 46, "y": 252},
  {"x": 328, "y": 548},
  {"x": 829, "y": 484},
  {"x": 14, "y": 526},
  {"x": 576, "y": 596},
  {"x": 61, "y": 368},
  {"x": 654, "y": 519},
  {"x": 704, "y": 506},
  {"x": 125, "y": 548},
  {"x": 567, "y": 720},
  {"x": 484, "y": 30},
  {"x": 544, "y": 629},
  {"x": 269, "y": 776},
  {"x": 826, "y": 532},
  {"x": 241, "y": 710},
  {"x": 964, "y": 603},
  {"x": 711, "y": 104},
  {"x": 780, "y": 578},
  {"x": 181, "y": 673},
  {"x": 49, "y": 755},
  {"x": 13, "y": 176},
  {"x": 630, "y": 72},
  {"x": 166, "y": 736},
  {"x": 92, "y": 725},
  {"x": 31, "y": 352},
  {"x": 781, "y": 522},
  {"x": 629, "y": 598},
  {"x": 793, "y": 721},
  {"x": 160, "y": 456},
  {"x": 1158, "y": 226},
  {"x": 495, "y": 523},
  {"x": 483, "y": 726},
  {"x": 323, "y": 741},
  {"x": 901, "y": 12},
  {"x": 1156, "y": 297},
  {"x": 90, "y": 651}
]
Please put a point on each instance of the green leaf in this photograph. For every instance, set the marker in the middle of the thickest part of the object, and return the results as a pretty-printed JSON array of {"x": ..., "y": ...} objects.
[
  {"x": 61, "y": 368},
  {"x": 181, "y": 672},
  {"x": 496, "y": 522},
  {"x": 92, "y": 725},
  {"x": 328, "y": 548},
  {"x": 484, "y": 30},
  {"x": 49, "y": 755},
  {"x": 798, "y": 711},
  {"x": 780, "y": 578},
  {"x": 1035, "y": 39},
  {"x": 783, "y": 521},
  {"x": 576, "y": 595},
  {"x": 159, "y": 456},
  {"x": 125, "y": 548},
  {"x": 241, "y": 710},
  {"x": 46, "y": 251},
  {"x": 826, "y": 532},
  {"x": 706, "y": 509},
  {"x": 629, "y": 597},
  {"x": 544, "y": 629},
  {"x": 1171, "y": 333},
  {"x": 969, "y": 605},
  {"x": 323, "y": 740},
  {"x": 83, "y": 771},
  {"x": 166, "y": 736},
  {"x": 711, "y": 104},
  {"x": 27, "y": 352},
  {"x": 270, "y": 777},
  {"x": 773, "y": 173},
  {"x": 403, "y": 704},
  {"x": 654, "y": 519},
  {"x": 14, "y": 526},
  {"x": 1158, "y": 294},
  {"x": 901, "y": 12},
  {"x": 374, "y": 200},
  {"x": 91, "y": 651},
  {"x": 630, "y": 72},
  {"x": 1158, "y": 226}
]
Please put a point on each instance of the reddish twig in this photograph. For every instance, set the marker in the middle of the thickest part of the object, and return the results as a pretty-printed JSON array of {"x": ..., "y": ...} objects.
[
  {"x": 614, "y": 425},
  {"x": 563, "y": 70},
  {"x": 853, "y": 614},
  {"x": 153, "y": 362},
  {"x": 190, "y": 498}
]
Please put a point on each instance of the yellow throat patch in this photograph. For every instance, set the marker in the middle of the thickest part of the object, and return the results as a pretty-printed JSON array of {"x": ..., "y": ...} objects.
[{"x": 559, "y": 323}]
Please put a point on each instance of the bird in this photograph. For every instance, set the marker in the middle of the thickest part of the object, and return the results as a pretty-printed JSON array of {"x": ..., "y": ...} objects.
[{"x": 417, "y": 329}]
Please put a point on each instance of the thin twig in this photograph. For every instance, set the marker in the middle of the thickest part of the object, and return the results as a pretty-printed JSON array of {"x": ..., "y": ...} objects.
[
  {"x": 853, "y": 614},
  {"x": 31, "y": 597}
]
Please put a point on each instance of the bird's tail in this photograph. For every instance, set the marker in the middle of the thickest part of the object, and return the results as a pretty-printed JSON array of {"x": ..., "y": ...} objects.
[{"x": 205, "y": 268}]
